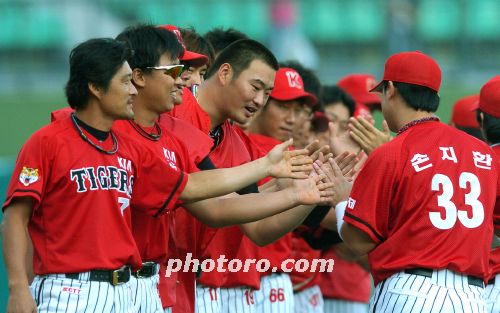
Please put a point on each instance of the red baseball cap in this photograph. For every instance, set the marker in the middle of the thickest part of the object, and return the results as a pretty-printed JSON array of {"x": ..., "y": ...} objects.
[
  {"x": 489, "y": 97},
  {"x": 413, "y": 68},
  {"x": 288, "y": 85},
  {"x": 189, "y": 56},
  {"x": 358, "y": 86},
  {"x": 464, "y": 112}
]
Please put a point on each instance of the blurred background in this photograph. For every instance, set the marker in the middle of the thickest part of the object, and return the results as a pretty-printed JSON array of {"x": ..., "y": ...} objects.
[{"x": 334, "y": 37}]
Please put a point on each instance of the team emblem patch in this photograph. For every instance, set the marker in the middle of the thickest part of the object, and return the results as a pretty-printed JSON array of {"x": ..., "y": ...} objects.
[
  {"x": 28, "y": 176},
  {"x": 351, "y": 203}
]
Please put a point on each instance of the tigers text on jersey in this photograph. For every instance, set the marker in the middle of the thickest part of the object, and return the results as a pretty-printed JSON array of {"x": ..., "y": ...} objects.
[{"x": 82, "y": 198}]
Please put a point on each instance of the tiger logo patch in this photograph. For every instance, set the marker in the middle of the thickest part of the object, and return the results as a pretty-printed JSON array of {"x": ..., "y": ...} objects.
[{"x": 28, "y": 176}]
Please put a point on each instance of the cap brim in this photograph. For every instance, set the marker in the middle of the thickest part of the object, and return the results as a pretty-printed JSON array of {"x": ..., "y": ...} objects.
[
  {"x": 190, "y": 56},
  {"x": 377, "y": 88},
  {"x": 309, "y": 98}
]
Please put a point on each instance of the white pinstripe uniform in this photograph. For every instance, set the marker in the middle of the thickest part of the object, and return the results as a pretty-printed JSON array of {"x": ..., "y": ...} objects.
[
  {"x": 146, "y": 297},
  {"x": 55, "y": 293},
  {"x": 309, "y": 300},
  {"x": 238, "y": 299},
  {"x": 345, "y": 306},
  {"x": 445, "y": 291},
  {"x": 268, "y": 299},
  {"x": 208, "y": 299},
  {"x": 492, "y": 295}
]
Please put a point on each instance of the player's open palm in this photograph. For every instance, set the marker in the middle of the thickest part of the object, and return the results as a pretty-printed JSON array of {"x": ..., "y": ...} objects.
[
  {"x": 342, "y": 143},
  {"x": 21, "y": 302},
  {"x": 313, "y": 190},
  {"x": 367, "y": 135},
  {"x": 289, "y": 164},
  {"x": 341, "y": 185}
]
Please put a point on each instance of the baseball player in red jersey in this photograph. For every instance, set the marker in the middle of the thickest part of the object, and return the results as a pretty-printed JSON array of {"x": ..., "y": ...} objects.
[
  {"x": 275, "y": 122},
  {"x": 152, "y": 100},
  {"x": 463, "y": 116},
  {"x": 489, "y": 118},
  {"x": 238, "y": 84},
  {"x": 429, "y": 188}
]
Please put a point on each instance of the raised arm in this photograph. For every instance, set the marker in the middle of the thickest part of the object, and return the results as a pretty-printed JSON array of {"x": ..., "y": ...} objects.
[
  {"x": 277, "y": 163},
  {"x": 15, "y": 252}
]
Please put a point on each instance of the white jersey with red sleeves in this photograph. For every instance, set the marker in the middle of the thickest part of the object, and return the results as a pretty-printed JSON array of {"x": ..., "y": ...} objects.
[
  {"x": 82, "y": 198},
  {"x": 426, "y": 199}
]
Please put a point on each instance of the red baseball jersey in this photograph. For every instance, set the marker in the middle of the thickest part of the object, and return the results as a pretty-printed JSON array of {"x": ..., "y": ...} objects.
[
  {"x": 300, "y": 250},
  {"x": 426, "y": 199},
  {"x": 280, "y": 250},
  {"x": 69, "y": 180},
  {"x": 228, "y": 241},
  {"x": 348, "y": 280},
  {"x": 495, "y": 253},
  {"x": 190, "y": 111}
]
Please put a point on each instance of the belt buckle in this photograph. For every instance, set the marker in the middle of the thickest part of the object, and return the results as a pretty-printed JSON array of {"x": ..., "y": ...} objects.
[{"x": 115, "y": 276}]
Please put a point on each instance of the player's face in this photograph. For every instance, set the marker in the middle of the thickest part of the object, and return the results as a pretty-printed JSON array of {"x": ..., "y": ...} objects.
[
  {"x": 279, "y": 118},
  {"x": 248, "y": 92},
  {"x": 339, "y": 115},
  {"x": 194, "y": 75},
  {"x": 117, "y": 100},
  {"x": 161, "y": 89}
]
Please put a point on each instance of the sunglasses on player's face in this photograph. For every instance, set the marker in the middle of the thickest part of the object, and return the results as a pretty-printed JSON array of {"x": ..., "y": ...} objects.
[{"x": 172, "y": 70}]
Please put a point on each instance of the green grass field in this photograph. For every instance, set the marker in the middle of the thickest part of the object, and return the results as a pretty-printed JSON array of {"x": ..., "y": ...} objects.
[{"x": 22, "y": 114}]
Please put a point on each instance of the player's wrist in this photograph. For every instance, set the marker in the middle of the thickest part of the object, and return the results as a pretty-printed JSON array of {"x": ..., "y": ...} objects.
[{"x": 339, "y": 214}]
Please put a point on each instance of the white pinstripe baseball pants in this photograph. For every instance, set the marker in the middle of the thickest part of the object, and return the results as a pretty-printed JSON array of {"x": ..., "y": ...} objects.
[
  {"x": 55, "y": 293},
  {"x": 207, "y": 299},
  {"x": 344, "y": 306},
  {"x": 309, "y": 300},
  {"x": 146, "y": 296},
  {"x": 445, "y": 291},
  {"x": 275, "y": 294},
  {"x": 492, "y": 295}
]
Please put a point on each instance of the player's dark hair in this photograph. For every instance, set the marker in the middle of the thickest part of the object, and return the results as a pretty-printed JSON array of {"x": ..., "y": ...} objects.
[
  {"x": 491, "y": 127},
  {"x": 220, "y": 38},
  {"x": 310, "y": 80},
  {"x": 240, "y": 54},
  {"x": 196, "y": 43},
  {"x": 94, "y": 61},
  {"x": 475, "y": 132},
  {"x": 418, "y": 97},
  {"x": 332, "y": 94},
  {"x": 149, "y": 44}
]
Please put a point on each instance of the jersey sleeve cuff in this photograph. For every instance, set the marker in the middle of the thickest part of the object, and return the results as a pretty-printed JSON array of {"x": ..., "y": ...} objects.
[
  {"x": 173, "y": 198},
  {"x": 34, "y": 194},
  {"x": 364, "y": 226}
]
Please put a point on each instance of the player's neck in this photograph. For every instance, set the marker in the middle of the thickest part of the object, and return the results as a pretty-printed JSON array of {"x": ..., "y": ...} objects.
[
  {"x": 407, "y": 115},
  {"x": 94, "y": 119},
  {"x": 208, "y": 96},
  {"x": 143, "y": 116}
]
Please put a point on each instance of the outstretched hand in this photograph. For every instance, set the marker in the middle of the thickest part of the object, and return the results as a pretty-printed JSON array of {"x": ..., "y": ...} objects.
[
  {"x": 342, "y": 143},
  {"x": 313, "y": 190},
  {"x": 367, "y": 135},
  {"x": 289, "y": 164},
  {"x": 333, "y": 174}
]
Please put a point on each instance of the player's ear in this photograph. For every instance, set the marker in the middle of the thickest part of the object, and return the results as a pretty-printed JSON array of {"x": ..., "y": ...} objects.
[
  {"x": 390, "y": 90},
  {"x": 225, "y": 73},
  {"x": 95, "y": 90},
  {"x": 138, "y": 78}
]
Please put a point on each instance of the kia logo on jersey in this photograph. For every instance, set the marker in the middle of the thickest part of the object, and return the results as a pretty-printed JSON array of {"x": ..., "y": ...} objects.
[
  {"x": 351, "y": 203},
  {"x": 171, "y": 159}
]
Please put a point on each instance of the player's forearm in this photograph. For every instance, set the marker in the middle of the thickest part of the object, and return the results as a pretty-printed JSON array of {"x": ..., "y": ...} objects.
[
  {"x": 15, "y": 246},
  {"x": 270, "y": 229},
  {"x": 222, "y": 212},
  {"x": 214, "y": 183},
  {"x": 357, "y": 240}
]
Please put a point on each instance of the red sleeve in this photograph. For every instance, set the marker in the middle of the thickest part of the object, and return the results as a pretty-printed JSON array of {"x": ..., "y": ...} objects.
[
  {"x": 370, "y": 200},
  {"x": 157, "y": 186},
  {"x": 31, "y": 171},
  {"x": 496, "y": 212}
]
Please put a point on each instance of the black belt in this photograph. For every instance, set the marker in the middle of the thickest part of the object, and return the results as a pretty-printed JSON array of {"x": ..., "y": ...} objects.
[
  {"x": 147, "y": 270},
  {"x": 472, "y": 280},
  {"x": 114, "y": 277},
  {"x": 491, "y": 281}
]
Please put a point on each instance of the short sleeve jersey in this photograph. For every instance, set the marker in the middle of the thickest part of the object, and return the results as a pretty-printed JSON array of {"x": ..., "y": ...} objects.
[
  {"x": 190, "y": 111},
  {"x": 82, "y": 198},
  {"x": 426, "y": 199},
  {"x": 495, "y": 253}
]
